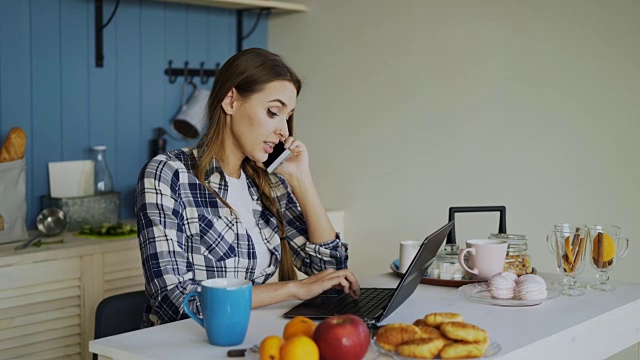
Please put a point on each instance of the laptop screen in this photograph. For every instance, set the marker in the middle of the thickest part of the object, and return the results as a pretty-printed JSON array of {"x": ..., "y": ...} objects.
[
  {"x": 375, "y": 310},
  {"x": 412, "y": 277}
]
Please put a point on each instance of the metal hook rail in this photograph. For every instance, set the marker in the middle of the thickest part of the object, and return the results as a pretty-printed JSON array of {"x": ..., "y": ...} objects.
[{"x": 190, "y": 73}]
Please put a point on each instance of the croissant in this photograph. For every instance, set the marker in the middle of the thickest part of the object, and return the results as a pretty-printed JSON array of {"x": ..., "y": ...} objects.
[
  {"x": 14, "y": 145},
  {"x": 437, "y": 319},
  {"x": 421, "y": 348},
  {"x": 462, "y": 350},
  {"x": 392, "y": 335},
  {"x": 464, "y": 332}
]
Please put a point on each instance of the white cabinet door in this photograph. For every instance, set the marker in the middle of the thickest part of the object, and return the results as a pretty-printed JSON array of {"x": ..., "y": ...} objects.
[
  {"x": 122, "y": 272},
  {"x": 40, "y": 310}
]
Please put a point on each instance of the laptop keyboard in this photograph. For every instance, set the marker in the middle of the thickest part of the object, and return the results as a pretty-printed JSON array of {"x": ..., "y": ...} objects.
[{"x": 369, "y": 304}]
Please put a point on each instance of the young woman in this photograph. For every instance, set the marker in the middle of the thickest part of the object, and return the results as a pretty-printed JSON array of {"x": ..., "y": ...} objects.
[{"x": 213, "y": 211}]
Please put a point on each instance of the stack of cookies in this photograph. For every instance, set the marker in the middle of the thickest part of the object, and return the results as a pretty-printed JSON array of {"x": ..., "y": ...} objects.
[{"x": 444, "y": 334}]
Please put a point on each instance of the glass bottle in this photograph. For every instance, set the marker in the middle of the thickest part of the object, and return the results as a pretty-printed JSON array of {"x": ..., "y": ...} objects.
[
  {"x": 102, "y": 176},
  {"x": 518, "y": 260}
]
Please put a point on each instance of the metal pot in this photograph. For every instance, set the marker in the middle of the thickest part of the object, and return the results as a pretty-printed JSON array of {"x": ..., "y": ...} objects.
[{"x": 50, "y": 222}]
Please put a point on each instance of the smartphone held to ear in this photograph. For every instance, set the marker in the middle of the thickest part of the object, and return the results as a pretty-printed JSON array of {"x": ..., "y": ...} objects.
[{"x": 277, "y": 157}]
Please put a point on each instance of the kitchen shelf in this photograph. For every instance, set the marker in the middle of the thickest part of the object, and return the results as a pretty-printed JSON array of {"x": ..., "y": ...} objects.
[
  {"x": 240, "y": 6},
  {"x": 275, "y": 6}
]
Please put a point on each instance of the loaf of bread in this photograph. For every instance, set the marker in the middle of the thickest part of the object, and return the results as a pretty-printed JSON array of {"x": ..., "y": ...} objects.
[{"x": 14, "y": 145}]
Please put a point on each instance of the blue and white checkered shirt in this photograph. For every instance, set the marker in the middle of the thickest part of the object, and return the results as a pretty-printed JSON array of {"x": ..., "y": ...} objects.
[{"x": 187, "y": 235}]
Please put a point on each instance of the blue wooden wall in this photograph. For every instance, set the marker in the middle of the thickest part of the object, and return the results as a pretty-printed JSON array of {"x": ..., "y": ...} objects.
[{"x": 50, "y": 87}]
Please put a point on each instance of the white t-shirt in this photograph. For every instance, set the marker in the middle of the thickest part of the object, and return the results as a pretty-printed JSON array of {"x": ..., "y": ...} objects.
[{"x": 241, "y": 201}]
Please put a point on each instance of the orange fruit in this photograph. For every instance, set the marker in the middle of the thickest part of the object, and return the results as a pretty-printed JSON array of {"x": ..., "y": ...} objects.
[
  {"x": 299, "y": 325},
  {"x": 608, "y": 248},
  {"x": 299, "y": 347},
  {"x": 270, "y": 347}
]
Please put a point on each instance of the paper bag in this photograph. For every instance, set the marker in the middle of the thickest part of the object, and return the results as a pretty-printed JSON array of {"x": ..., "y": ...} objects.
[{"x": 13, "y": 204}]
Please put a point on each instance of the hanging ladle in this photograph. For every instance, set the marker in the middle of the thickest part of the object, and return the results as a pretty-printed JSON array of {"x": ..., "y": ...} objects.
[{"x": 50, "y": 222}]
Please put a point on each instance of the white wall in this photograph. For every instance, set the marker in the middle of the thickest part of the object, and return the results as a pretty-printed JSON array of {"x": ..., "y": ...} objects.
[{"x": 410, "y": 107}]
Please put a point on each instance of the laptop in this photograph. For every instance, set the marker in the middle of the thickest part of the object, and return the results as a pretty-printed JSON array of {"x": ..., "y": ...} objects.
[{"x": 375, "y": 304}]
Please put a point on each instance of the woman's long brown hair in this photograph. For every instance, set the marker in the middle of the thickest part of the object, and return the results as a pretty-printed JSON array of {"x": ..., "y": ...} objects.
[{"x": 247, "y": 72}]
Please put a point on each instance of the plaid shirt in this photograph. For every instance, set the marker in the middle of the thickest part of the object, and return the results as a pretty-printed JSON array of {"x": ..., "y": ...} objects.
[{"x": 187, "y": 235}]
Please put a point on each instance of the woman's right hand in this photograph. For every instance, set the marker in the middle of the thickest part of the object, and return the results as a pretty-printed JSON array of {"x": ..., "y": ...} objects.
[{"x": 315, "y": 284}]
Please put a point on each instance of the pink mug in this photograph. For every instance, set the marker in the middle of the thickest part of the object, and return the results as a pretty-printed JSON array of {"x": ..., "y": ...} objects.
[{"x": 486, "y": 257}]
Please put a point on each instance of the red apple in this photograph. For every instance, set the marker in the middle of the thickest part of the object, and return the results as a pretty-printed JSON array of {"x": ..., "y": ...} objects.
[{"x": 344, "y": 337}]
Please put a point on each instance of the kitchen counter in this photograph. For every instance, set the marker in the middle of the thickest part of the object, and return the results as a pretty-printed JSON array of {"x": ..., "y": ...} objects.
[{"x": 71, "y": 246}]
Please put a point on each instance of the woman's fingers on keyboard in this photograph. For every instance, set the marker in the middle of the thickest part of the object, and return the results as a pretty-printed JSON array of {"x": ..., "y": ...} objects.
[
  {"x": 331, "y": 278},
  {"x": 349, "y": 282}
]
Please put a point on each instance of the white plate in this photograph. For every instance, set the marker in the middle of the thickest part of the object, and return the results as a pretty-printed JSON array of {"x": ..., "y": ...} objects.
[
  {"x": 479, "y": 292},
  {"x": 491, "y": 350}
]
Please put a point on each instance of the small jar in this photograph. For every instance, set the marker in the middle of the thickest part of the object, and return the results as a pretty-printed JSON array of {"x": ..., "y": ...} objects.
[
  {"x": 446, "y": 264},
  {"x": 517, "y": 260}
]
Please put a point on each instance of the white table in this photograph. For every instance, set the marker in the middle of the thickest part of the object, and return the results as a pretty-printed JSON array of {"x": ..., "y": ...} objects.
[{"x": 594, "y": 326}]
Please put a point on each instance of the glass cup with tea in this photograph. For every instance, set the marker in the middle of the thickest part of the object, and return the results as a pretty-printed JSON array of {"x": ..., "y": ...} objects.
[
  {"x": 568, "y": 229},
  {"x": 569, "y": 246},
  {"x": 608, "y": 246}
]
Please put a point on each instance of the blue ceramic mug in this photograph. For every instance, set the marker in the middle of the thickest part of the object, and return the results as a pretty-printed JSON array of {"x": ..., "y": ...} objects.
[{"x": 226, "y": 306}]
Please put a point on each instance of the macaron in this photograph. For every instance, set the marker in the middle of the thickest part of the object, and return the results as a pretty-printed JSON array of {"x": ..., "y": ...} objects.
[
  {"x": 530, "y": 287},
  {"x": 509, "y": 275},
  {"x": 501, "y": 287}
]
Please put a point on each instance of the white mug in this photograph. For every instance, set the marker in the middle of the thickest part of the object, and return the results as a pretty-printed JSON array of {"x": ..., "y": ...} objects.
[
  {"x": 408, "y": 250},
  {"x": 193, "y": 115}
]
